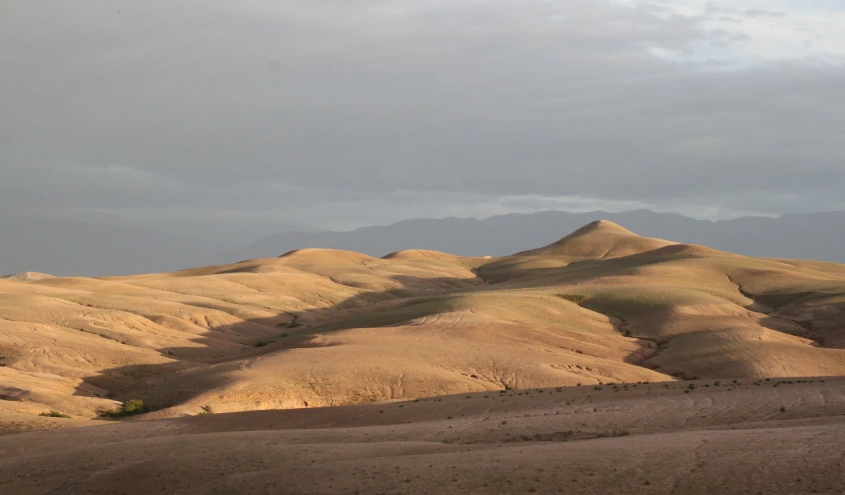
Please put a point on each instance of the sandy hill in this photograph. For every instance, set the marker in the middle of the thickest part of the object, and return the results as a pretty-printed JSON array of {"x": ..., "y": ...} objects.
[
  {"x": 603, "y": 363},
  {"x": 599, "y": 239},
  {"x": 318, "y": 327}
]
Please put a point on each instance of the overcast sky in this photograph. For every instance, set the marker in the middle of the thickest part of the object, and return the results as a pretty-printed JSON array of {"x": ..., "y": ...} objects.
[{"x": 337, "y": 113}]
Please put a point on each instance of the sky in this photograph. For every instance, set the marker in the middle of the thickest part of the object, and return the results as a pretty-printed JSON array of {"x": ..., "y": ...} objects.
[{"x": 255, "y": 116}]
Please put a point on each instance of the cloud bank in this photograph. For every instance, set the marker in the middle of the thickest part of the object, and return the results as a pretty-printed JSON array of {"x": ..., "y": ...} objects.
[{"x": 338, "y": 114}]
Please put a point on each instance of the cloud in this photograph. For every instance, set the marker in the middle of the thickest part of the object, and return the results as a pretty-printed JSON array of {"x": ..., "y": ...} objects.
[{"x": 335, "y": 113}]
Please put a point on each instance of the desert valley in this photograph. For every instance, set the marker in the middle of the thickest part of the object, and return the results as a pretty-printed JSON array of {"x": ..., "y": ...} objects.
[{"x": 606, "y": 362}]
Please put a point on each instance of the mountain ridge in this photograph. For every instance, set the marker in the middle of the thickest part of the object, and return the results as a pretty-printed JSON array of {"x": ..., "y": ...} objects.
[
  {"x": 599, "y": 239},
  {"x": 66, "y": 248},
  {"x": 812, "y": 236}
]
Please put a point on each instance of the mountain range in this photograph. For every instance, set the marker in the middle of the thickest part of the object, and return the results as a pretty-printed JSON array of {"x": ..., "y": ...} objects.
[{"x": 77, "y": 248}]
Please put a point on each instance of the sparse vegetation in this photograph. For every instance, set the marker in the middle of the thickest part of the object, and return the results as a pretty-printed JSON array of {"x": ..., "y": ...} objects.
[
  {"x": 132, "y": 407},
  {"x": 576, "y": 298},
  {"x": 55, "y": 414}
]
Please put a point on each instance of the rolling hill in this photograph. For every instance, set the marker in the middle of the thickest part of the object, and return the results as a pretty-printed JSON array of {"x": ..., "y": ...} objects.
[
  {"x": 319, "y": 327},
  {"x": 604, "y": 361}
]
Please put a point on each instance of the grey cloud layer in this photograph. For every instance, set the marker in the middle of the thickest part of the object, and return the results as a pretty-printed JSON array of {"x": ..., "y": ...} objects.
[{"x": 258, "y": 105}]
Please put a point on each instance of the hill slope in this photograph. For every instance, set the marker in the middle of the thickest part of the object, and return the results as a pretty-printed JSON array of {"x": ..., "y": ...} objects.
[{"x": 320, "y": 327}]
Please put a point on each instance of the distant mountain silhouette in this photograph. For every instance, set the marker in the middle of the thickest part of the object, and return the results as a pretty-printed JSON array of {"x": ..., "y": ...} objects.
[
  {"x": 818, "y": 236},
  {"x": 67, "y": 248}
]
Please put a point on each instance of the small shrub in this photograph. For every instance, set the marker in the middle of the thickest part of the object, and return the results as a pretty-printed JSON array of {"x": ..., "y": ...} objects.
[
  {"x": 130, "y": 408},
  {"x": 135, "y": 406},
  {"x": 55, "y": 414},
  {"x": 206, "y": 410}
]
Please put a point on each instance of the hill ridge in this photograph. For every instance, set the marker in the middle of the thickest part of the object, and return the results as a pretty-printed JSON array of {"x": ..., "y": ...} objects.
[
  {"x": 323, "y": 327},
  {"x": 599, "y": 239}
]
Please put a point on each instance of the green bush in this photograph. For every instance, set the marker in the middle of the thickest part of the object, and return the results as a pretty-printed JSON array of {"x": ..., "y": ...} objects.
[
  {"x": 135, "y": 406},
  {"x": 130, "y": 408},
  {"x": 54, "y": 414}
]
